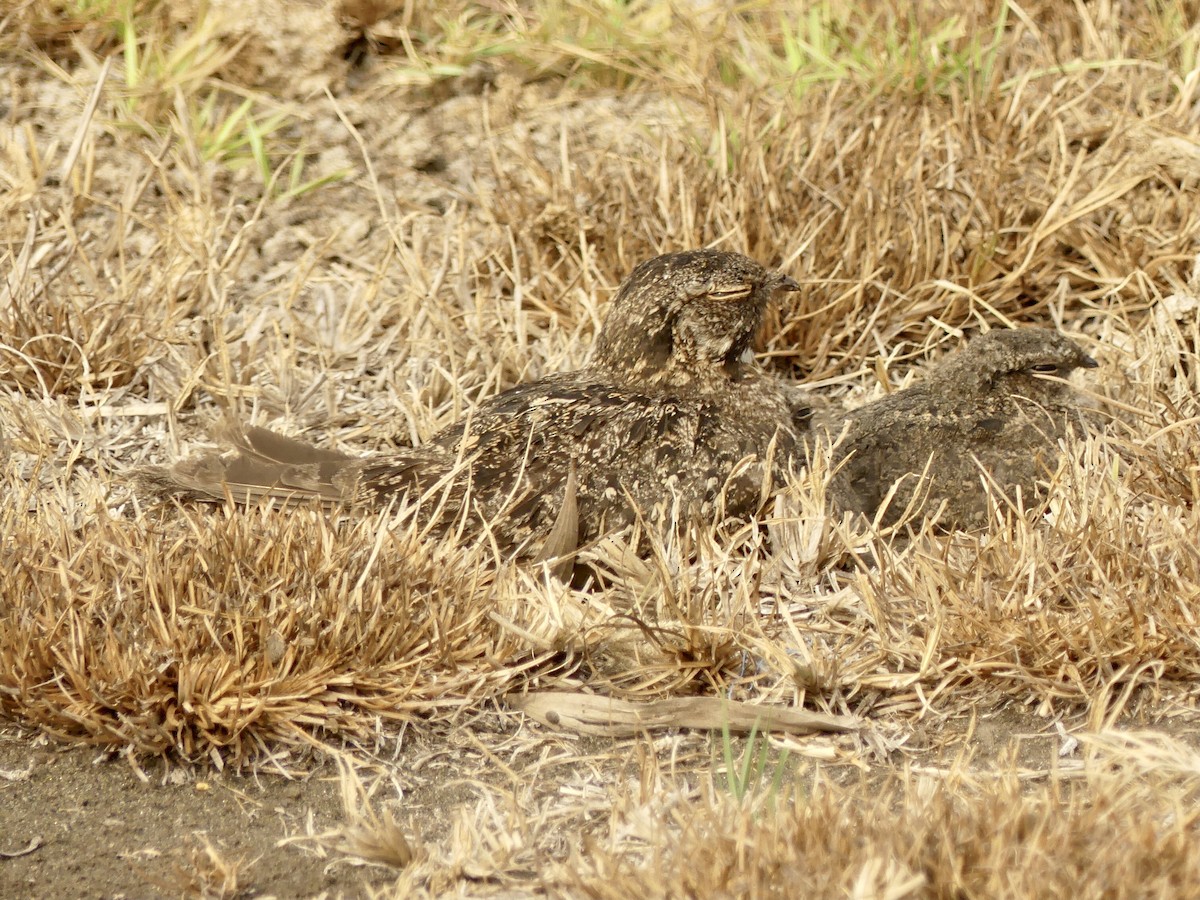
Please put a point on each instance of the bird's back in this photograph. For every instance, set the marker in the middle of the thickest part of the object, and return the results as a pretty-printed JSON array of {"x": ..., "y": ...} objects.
[
  {"x": 938, "y": 449},
  {"x": 626, "y": 452}
]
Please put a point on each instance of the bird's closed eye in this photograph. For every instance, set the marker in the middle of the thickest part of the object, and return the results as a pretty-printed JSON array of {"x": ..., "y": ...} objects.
[
  {"x": 730, "y": 292},
  {"x": 1045, "y": 368}
]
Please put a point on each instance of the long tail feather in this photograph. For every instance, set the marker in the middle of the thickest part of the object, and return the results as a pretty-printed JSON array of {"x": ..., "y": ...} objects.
[{"x": 267, "y": 466}]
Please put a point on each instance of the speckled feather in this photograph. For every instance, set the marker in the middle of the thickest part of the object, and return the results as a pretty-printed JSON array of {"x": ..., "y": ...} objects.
[
  {"x": 997, "y": 407},
  {"x": 657, "y": 423}
]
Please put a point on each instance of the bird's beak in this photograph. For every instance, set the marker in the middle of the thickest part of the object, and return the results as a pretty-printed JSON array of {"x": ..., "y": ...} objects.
[
  {"x": 785, "y": 283},
  {"x": 1088, "y": 363}
]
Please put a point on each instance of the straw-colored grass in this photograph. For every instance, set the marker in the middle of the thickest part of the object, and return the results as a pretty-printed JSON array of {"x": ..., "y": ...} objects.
[
  {"x": 354, "y": 227},
  {"x": 913, "y": 835}
]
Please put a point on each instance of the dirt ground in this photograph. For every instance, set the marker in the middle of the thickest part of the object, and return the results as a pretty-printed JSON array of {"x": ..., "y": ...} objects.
[
  {"x": 95, "y": 827},
  {"x": 85, "y": 823}
]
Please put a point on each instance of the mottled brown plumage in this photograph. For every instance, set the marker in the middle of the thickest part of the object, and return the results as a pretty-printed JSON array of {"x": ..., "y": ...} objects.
[
  {"x": 994, "y": 411},
  {"x": 672, "y": 417}
]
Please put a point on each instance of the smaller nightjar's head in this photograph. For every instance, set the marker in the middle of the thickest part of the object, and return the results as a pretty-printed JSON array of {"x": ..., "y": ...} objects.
[
  {"x": 1034, "y": 362},
  {"x": 689, "y": 313}
]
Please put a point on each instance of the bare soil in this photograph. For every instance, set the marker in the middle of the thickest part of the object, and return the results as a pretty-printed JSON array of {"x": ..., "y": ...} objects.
[{"x": 98, "y": 827}]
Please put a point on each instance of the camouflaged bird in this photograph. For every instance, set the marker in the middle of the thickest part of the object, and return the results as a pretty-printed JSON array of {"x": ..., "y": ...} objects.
[
  {"x": 671, "y": 418},
  {"x": 993, "y": 412}
]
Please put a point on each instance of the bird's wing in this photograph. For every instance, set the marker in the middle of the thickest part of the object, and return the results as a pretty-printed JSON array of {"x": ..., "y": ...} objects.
[
  {"x": 522, "y": 446},
  {"x": 862, "y": 468},
  {"x": 893, "y": 438},
  {"x": 267, "y": 466},
  {"x": 269, "y": 446}
]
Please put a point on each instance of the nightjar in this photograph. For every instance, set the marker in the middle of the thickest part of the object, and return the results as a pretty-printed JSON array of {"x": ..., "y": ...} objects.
[
  {"x": 993, "y": 413},
  {"x": 671, "y": 419}
]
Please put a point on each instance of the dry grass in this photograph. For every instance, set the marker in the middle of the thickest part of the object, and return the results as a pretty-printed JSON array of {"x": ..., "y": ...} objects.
[
  {"x": 1121, "y": 821},
  {"x": 239, "y": 632},
  {"x": 488, "y": 175},
  {"x": 912, "y": 835}
]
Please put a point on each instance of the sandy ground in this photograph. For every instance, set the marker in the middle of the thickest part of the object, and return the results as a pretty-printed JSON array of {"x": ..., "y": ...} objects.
[
  {"x": 82, "y": 823},
  {"x": 97, "y": 828}
]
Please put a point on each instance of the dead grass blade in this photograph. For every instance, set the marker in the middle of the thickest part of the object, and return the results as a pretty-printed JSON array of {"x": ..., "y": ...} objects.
[{"x": 589, "y": 714}]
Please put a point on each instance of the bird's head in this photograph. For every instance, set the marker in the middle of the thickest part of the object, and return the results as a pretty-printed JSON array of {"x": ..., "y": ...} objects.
[
  {"x": 1032, "y": 362},
  {"x": 689, "y": 314}
]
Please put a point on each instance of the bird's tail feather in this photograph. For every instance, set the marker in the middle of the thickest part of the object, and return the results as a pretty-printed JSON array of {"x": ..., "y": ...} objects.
[{"x": 267, "y": 466}]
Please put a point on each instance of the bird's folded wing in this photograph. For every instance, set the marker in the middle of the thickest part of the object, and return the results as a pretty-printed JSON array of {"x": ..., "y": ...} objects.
[
  {"x": 266, "y": 466},
  {"x": 269, "y": 446}
]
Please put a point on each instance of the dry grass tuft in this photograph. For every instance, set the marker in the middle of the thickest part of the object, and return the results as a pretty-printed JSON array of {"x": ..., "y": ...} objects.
[
  {"x": 1121, "y": 821},
  {"x": 207, "y": 873},
  {"x": 239, "y": 632},
  {"x": 371, "y": 835},
  {"x": 910, "y": 835}
]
